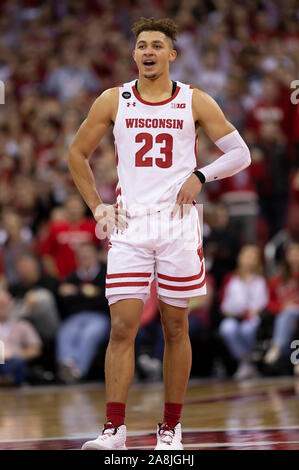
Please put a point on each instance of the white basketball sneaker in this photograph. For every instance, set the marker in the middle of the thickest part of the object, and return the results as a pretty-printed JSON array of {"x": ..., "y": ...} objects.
[
  {"x": 111, "y": 438},
  {"x": 169, "y": 438}
]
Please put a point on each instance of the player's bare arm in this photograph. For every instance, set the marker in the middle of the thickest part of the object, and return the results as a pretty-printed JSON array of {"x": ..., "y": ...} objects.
[
  {"x": 100, "y": 117},
  {"x": 208, "y": 115}
]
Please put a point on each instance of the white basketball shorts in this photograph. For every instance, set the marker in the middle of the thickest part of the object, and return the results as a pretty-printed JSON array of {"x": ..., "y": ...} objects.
[{"x": 161, "y": 247}]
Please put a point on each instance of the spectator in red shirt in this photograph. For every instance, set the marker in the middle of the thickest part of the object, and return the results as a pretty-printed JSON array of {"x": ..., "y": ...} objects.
[
  {"x": 274, "y": 106},
  {"x": 284, "y": 303},
  {"x": 65, "y": 235}
]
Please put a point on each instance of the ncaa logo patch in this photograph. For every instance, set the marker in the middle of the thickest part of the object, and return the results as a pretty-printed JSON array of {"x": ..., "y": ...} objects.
[{"x": 126, "y": 95}]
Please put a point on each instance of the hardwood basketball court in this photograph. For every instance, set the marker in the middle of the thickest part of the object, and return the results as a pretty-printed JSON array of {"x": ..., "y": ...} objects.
[{"x": 255, "y": 414}]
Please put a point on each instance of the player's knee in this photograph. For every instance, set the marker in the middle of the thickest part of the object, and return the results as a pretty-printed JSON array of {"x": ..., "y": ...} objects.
[
  {"x": 174, "y": 330},
  {"x": 122, "y": 331}
]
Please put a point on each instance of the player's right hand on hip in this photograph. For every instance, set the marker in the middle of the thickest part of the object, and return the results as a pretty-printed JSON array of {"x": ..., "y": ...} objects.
[{"x": 109, "y": 216}]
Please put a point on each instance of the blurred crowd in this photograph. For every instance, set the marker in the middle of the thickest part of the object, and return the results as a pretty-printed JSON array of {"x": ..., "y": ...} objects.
[{"x": 56, "y": 57}]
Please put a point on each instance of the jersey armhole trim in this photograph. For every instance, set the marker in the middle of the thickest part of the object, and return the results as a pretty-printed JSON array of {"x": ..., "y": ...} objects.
[{"x": 118, "y": 110}]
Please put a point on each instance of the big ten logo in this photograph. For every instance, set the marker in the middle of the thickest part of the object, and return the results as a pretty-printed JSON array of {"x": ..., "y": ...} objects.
[
  {"x": 178, "y": 105},
  {"x": 2, "y": 352},
  {"x": 295, "y": 93},
  {"x": 2, "y": 92},
  {"x": 295, "y": 354}
]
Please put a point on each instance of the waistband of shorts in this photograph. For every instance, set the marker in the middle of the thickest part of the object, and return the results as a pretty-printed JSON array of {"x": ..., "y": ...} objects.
[{"x": 140, "y": 211}]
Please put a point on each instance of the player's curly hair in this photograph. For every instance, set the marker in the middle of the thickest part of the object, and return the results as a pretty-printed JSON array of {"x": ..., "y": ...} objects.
[{"x": 165, "y": 25}]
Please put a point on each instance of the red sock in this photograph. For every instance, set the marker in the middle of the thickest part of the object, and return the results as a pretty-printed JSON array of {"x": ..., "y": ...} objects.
[
  {"x": 172, "y": 413},
  {"x": 115, "y": 412}
]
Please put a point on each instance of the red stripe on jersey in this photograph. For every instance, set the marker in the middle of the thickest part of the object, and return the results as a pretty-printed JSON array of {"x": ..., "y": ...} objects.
[
  {"x": 126, "y": 284},
  {"x": 200, "y": 253},
  {"x": 181, "y": 279},
  {"x": 118, "y": 192},
  {"x": 200, "y": 248},
  {"x": 116, "y": 155},
  {"x": 159, "y": 103},
  {"x": 192, "y": 87},
  {"x": 112, "y": 276},
  {"x": 195, "y": 286}
]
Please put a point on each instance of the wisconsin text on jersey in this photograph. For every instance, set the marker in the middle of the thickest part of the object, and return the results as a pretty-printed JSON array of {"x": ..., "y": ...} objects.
[{"x": 155, "y": 123}]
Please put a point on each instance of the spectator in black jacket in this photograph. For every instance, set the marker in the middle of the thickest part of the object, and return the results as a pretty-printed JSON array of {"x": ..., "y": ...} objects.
[
  {"x": 87, "y": 325},
  {"x": 271, "y": 170},
  {"x": 38, "y": 294},
  {"x": 221, "y": 244}
]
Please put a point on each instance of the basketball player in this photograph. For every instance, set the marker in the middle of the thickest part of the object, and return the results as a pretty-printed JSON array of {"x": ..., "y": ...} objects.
[{"x": 154, "y": 123}]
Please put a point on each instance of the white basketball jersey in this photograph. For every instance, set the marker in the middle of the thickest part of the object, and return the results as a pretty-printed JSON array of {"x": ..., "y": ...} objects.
[{"x": 155, "y": 146}]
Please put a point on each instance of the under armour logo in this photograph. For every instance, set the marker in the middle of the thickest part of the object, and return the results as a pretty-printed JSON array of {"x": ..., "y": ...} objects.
[{"x": 129, "y": 104}]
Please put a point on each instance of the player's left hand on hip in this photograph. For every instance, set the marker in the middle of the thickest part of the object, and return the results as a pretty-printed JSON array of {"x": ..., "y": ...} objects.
[{"x": 186, "y": 195}]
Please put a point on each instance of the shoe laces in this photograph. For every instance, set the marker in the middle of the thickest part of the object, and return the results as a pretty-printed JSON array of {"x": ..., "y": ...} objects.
[
  {"x": 109, "y": 430},
  {"x": 167, "y": 433}
]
